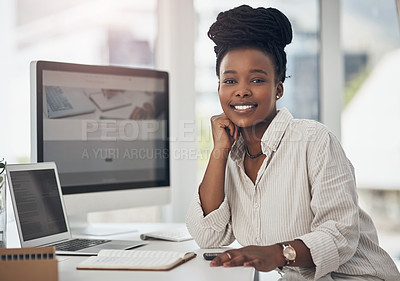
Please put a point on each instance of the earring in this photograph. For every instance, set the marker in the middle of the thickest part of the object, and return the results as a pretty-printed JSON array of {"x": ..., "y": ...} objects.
[{"x": 277, "y": 97}]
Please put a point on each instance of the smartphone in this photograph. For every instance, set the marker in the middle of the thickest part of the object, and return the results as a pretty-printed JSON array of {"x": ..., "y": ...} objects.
[{"x": 210, "y": 256}]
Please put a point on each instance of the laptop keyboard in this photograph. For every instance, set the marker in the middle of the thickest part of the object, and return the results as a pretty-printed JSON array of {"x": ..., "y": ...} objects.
[
  {"x": 56, "y": 99},
  {"x": 78, "y": 244}
]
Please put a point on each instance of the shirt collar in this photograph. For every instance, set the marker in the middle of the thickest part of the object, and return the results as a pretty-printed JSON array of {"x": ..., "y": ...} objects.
[
  {"x": 271, "y": 138},
  {"x": 275, "y": 131}
]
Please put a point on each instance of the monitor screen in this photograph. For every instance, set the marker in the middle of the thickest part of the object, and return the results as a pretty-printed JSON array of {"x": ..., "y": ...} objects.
[{"x": 106, "y": 127}]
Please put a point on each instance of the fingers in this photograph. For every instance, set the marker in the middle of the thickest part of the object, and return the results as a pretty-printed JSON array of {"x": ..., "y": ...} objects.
[
  {"x": 253, "y": 263},
  {"x": 237, "y": 133},
  {"x": 221, "y": 259},
  {"x": 259, "y": 257},
  {"x": 228, "y": 259},
  {"x": 228, "y": 125},
  {"x": 138, "y": 114},
  {"x": 233, "y": 258},
  {"x": 222, "y": 127},
  {"x": 235, "y": 261},
  {"x": 230, "y": 129},
  {"x": 222, "y": 121},
  {"x": 149, "y": 109}
]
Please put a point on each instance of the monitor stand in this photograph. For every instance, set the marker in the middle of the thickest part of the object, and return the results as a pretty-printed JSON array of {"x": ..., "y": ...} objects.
[
  {"x": 96, "y": 230},
  {"x": 80, "y": 226}
]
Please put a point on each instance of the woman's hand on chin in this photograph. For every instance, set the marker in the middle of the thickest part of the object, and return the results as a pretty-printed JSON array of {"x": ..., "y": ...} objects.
[{"x": 224, "y": 132}]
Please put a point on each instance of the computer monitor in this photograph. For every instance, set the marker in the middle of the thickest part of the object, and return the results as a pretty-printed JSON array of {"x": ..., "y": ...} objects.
[{"x": 107, "y": 130}]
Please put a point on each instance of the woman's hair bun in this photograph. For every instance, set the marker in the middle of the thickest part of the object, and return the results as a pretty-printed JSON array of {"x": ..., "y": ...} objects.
[
  {"x": 246, "y": 25},
  {"x": 265, "y": 28}
]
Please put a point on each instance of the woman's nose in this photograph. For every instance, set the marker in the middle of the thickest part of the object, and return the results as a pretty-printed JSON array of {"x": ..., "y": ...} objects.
[{"x": 244, "y": 92}]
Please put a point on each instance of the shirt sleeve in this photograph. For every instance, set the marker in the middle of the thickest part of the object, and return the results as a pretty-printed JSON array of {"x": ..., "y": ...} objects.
[
  {"x": 213, "y": 230},
  {"x": 334, "y": 235}
]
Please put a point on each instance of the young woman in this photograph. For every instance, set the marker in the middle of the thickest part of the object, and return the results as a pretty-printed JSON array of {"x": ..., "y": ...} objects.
[{"x": 281, "y": 187}]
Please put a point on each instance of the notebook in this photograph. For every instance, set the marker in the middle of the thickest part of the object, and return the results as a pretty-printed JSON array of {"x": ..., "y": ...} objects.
[
  {"x": 116, "y": 101},
  {"x": 40, "y": 214},
  {"x": 136, "y": 260}
]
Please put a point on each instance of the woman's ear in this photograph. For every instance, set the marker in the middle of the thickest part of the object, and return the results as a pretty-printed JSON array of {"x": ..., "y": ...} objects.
[{"x": 279, "y": 90}]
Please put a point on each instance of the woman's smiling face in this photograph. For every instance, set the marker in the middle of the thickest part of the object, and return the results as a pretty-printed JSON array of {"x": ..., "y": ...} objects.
[{"x": 247, "y": 87}]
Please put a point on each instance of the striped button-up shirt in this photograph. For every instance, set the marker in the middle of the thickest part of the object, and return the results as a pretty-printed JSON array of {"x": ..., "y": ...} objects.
[{"x": 305, "y": 189}]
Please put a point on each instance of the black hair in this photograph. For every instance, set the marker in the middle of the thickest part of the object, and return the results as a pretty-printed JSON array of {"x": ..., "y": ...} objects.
[{"x": 266, "y": 29}]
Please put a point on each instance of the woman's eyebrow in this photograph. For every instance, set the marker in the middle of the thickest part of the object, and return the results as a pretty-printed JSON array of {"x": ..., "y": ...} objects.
[
  {"x": 258, "y": 71},
  {"x": 229, "y": 72},
  {"x": 251, "y": 71}
]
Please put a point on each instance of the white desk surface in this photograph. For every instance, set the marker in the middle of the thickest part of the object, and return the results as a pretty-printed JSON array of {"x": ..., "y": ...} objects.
[
  {"x": 193, "y": 270},
  {"x": 196, "y": 269}
]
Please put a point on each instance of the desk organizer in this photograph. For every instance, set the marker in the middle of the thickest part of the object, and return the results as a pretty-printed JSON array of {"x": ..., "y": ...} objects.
[{"x": 32, "y": 264}]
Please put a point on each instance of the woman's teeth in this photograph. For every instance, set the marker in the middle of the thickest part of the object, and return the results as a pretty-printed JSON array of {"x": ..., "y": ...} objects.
[{"x": 243, "y": 107}]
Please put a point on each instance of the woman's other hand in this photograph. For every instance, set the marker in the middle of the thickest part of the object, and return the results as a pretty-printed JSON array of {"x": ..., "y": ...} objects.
[
  {"x": 262, "y": 258},
  {"x": 224, "y": 132}
]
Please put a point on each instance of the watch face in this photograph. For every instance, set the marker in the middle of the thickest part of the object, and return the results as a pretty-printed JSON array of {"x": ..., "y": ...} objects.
[{"x": 289, "y": 253}]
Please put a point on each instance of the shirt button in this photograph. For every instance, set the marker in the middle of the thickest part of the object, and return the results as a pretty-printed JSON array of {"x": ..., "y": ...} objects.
[{"x": 256, "y": 205}]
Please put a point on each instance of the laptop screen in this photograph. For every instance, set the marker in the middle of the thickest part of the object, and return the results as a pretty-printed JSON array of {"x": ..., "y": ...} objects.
[{"x": 38, "y": 201}]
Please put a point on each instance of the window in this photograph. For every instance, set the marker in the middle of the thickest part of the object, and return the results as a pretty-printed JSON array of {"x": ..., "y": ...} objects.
[
  {"x": 78, "y": 31},
  {"x": 370, "y": 118}
]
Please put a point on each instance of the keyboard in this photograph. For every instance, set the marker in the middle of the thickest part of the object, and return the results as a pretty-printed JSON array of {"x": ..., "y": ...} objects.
[
  {"x": 78, "y": 244},
  {"x": 56, "y": 100},
  {"x": 176, "y": 235}
]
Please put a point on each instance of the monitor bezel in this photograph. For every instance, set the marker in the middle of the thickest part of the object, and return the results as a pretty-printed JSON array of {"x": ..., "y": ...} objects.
[{"x": 37, "y": 149}]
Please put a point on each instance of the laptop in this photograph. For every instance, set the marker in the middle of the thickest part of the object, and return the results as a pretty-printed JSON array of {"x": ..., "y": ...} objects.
[
  {"x": 40, "y": 214},
  {"x": 67, "y": 101}
]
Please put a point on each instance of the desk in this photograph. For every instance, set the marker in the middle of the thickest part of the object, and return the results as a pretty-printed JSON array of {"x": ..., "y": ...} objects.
[
  {"x": 193, "y": 270},
  {"x": 196, "y": 269}
]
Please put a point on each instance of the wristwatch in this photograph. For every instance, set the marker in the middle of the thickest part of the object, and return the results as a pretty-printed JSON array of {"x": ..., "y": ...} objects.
[{"x": 289, "y": 253}]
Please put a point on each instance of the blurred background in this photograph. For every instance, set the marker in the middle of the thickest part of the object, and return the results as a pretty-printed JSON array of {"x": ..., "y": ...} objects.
[{"x": 172, "y": 35}]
